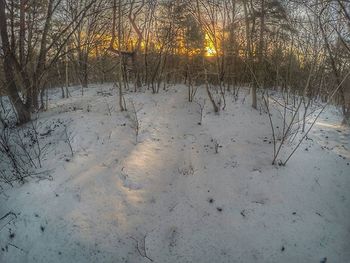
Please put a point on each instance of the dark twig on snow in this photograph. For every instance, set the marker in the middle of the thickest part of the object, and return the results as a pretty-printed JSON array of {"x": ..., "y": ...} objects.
[
  {"x": 6, "y": 215},
  {"x": 12, "y": 245},
  {"x": 9, "y": 213},
  {"x": 142, "y": 250},
  {"x": 68, "y": 141},
  {"x": 201, "y": 109}
]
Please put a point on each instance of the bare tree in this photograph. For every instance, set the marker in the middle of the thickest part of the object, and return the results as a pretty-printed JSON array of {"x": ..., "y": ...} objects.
[{"x": 44, "y": 45}]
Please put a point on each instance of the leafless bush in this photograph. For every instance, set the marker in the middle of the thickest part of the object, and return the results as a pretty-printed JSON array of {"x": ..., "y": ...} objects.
[
  {"x": 201, "y": 104},
  {"x": 135, "y": 122},
  {"x": 216, "y": 145},
  {"x": 234, "y": 92},
  {"x": 21, "y": 152},
  {"x": 291, "y": 127},
  {"x": 68, "y": 139},
  {"x": 13, "y": 167},
  {"x": 287, "y": 120},
  {"x": 215, "y": 102},
  {"x": 192, "y": 88}
]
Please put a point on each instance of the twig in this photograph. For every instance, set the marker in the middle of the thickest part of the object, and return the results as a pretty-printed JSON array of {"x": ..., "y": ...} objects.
[
  {"x": 12, "y": 245},
  {"x": 68, "y": 140},
  {"x": 135, "y": 120},
  {"x": 144, "y": 254},
  {"x": 201, "y": 109},
  {"x": 9, "y": 213}
]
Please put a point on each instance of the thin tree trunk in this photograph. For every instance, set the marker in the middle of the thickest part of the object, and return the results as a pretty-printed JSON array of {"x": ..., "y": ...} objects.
[
  {"x": 249, "y": 51},
  {"x": 66, "y": 71}
]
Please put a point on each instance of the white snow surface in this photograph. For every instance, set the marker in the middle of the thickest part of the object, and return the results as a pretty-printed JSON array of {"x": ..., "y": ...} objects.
[{"x": 169, "y": 197}]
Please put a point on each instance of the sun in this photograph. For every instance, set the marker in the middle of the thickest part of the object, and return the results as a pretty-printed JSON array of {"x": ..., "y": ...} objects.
[{"x": 210, "y": 50}]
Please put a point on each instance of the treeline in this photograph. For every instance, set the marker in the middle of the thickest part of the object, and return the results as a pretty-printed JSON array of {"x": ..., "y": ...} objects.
[{"x": 299, "y": 47}]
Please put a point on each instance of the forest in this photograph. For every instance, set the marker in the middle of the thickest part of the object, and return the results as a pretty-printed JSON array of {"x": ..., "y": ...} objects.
[{"x": 174, "y": 130}]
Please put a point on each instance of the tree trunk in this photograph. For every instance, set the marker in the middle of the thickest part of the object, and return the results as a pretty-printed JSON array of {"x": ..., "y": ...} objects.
[
  {"x": 216, "y": 108},
  {"x": 23, "y": 113},
  {"x": 66, "y": 71},
  {"x": 249, "y": 51}
]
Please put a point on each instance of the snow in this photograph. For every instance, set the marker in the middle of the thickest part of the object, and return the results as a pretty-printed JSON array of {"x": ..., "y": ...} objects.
[{"x": 169, "y": 197}]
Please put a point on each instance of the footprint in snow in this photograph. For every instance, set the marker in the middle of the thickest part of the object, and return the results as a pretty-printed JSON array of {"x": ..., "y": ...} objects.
[{"x": 128, "y": 183}]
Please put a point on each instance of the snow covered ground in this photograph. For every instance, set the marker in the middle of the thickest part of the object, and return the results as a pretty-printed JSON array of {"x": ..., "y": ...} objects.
[{"x": 171, "y": 198}]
